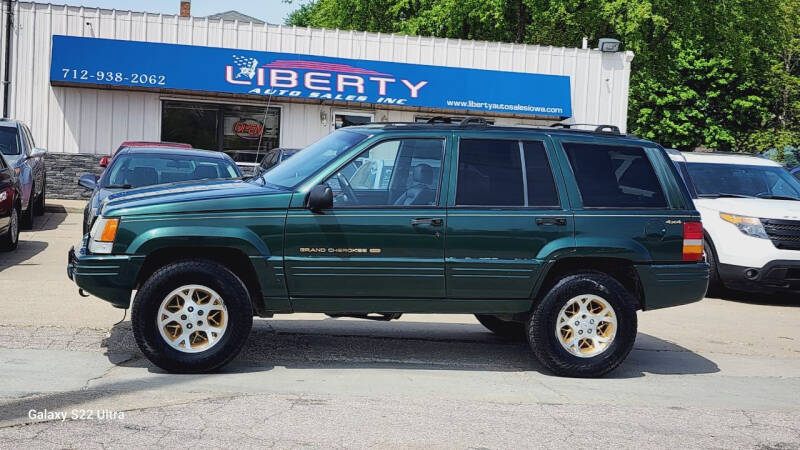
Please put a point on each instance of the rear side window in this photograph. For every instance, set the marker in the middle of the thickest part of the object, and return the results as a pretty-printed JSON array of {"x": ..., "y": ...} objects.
[
  {"x": 489, "y": 173},
  {"x": 615, "y": 176},
  {"x": 504, "y": 173},
  {"x": 538, "y": 176}
]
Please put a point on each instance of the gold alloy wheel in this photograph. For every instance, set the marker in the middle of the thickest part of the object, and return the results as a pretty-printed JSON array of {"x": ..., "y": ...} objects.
[
  {"x": 586, "y": 326},
  {"x": 192, "y": 318}
]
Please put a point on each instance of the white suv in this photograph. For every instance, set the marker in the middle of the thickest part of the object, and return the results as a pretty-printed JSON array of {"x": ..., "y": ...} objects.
[{"x": 751, "y": 218}]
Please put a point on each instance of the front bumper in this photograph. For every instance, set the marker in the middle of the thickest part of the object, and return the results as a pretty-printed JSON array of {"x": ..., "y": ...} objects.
[
  {"x": 665, "y": 285},
  {"x": 775, "y": 276},
  {"x": 109, "y": 277}
]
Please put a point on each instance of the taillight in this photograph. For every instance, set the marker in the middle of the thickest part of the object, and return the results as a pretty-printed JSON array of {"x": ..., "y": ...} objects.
[{"x": 692, "y": 241}]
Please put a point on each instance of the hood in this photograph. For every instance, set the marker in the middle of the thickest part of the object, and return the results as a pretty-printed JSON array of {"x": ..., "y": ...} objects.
[
  {"x": 194, "y": 196},
  {"x": 752, "y": 207},
  {"x": 14, "y": 160}
]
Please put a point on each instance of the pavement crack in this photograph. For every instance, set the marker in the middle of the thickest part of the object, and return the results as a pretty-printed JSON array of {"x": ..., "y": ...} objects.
[{"x": 106, "y": 372}]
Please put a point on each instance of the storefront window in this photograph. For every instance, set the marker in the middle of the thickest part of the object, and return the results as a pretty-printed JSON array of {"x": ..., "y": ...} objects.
[
  {"x": 191, "y": 123},
  {"x": 246, "y": 133}
]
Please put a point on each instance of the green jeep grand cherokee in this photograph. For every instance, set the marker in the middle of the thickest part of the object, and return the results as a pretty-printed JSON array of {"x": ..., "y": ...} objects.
[{"x": 558, "y": 236}]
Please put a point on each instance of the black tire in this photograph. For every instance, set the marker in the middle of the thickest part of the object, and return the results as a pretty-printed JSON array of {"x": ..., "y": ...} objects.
[
  {"x": 202, "y": 272},
  {"x": 9, "y": 240},
  {"x": 714, "y": 283},
  {"x": 26, "y": 217},
  {"x": 504, "y": 328},
  {"x": 38, "y": 207},
  {"x": 542, "y": 326}
]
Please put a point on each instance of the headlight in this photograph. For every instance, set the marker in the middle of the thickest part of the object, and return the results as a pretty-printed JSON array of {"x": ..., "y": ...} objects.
[
  {"x": 750, "y": 226},
  {"x": 101, "y": 238}
]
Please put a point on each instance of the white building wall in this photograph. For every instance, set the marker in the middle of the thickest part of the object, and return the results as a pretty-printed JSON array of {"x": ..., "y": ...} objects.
[{"x": 67, "y": 119}]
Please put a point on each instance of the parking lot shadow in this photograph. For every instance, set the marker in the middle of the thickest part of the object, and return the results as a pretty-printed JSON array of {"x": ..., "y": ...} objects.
[
  {"x": 25, "y": 251},
  {"x": 343, "y": 344},
  {"x": 756, "y": 298},
  {"x": 49, "y": 221}
]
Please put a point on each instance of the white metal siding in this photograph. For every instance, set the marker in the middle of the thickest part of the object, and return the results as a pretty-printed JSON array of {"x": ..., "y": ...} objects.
[{"x": 66, "y": 119}]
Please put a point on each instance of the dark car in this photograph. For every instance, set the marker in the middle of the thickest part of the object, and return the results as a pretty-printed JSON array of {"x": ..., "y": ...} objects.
[
  {"x": 10, "y": 205},
  {"x": 275, "y": 157},
  {"x": 553, "y": 236},
  {"x": 135, "y": 167},
  {"x": 27, "y": 161}
]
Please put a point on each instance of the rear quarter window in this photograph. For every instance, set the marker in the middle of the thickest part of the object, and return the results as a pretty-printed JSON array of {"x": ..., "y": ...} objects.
[{"x": 612, "y": 176}]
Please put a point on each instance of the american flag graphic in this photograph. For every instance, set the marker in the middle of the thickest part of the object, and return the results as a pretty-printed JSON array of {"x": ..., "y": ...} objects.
[
  {"x": 316, "y": 65},
  {"x": 247, "y": 66}
]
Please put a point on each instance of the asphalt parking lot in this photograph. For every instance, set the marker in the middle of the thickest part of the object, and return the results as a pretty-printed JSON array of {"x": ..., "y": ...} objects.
[{"x": 720, "y": 373}]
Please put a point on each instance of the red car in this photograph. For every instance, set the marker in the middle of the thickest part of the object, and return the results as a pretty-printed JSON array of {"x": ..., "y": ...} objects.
[
  {"x": 10, "y": 206},
  {"x": 133, "y": 144}
]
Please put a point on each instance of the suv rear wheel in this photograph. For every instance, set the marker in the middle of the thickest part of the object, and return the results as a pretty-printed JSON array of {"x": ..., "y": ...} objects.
[
  {"x": 585, "y": 326},
  {"x": 192, "y": 316},
  {"x": 504, "y": 328}
]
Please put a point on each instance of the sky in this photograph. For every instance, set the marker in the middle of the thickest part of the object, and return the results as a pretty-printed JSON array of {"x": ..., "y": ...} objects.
[{"x": 272, "y": 11}]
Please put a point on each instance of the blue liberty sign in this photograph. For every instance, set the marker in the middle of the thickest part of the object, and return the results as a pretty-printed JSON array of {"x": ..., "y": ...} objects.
[{"x": 172, "y": 67}]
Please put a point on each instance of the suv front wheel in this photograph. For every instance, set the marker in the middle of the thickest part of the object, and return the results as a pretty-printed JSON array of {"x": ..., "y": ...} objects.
[
  {"x": 585, "y": 326},
  {"x": 192, "y": 316}
]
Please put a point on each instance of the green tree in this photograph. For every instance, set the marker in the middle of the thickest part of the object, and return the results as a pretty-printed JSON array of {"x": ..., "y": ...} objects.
[{"x": 721, "y": 74}]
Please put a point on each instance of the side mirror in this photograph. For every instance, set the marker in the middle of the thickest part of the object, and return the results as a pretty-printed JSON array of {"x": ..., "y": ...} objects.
[
  {"x": 88, "y": 181},
  {"x": 320, "y": 197},
  {"x": 104, "y": 161},
  {"x": 38, "y": 153}
]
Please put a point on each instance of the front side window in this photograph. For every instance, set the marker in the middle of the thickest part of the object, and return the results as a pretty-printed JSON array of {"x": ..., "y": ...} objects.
[
  {"x": 9, "y": 143},
  {"x": 611, "y": 176},
  {"x": 504, "y": 173},
  {"x": 28, "y": 139},
  {"x": 711, "y": 179},
  {"x": 398, "y": 172},
  {"x": 312, "y": 159}
]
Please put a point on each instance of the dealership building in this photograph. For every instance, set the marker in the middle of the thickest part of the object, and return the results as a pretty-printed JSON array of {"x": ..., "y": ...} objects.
[{"x": 86, "y": 80}]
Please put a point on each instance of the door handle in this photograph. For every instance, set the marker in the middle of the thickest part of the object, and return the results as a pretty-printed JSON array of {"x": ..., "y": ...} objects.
[
  {"x": 559, "y": 221},
  {"x": 433, "y": 221}
]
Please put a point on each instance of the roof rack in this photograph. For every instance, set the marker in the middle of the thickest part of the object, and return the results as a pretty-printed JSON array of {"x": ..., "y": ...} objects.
[
  {"x": 611, "y": 129},
  {"x": 464, "y": 122},
  {"x": 479, "y": 122}
]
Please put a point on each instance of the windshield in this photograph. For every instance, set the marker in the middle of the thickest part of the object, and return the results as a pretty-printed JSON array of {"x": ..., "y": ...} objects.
[
  {"x": 146, "y": 169},
  {"x": 9, "y": 144},
  {"x": 311, "y": 159},
  {"x": 737, "y": 179}
]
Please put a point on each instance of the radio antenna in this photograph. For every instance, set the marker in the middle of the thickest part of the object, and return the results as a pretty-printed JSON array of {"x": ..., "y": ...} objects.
[{"x": 261, "y": 135}]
